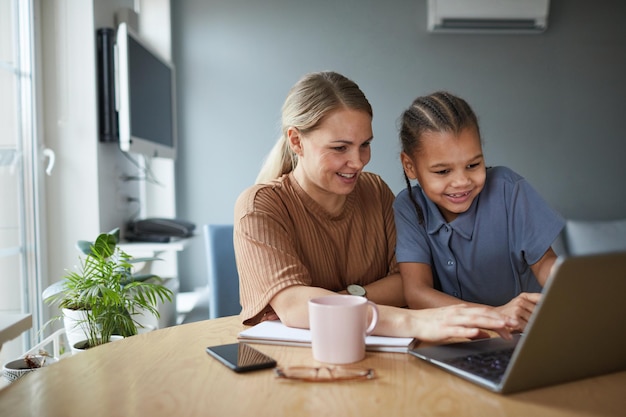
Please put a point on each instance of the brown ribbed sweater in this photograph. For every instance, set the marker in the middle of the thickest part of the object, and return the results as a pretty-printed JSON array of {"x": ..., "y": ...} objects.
[{"x": 284, "y": 238}]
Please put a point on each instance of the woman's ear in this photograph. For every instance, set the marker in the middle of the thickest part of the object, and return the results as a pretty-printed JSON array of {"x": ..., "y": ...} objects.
[
  {"x": 295, "y": 140},
  {"x": 409, "y": 167}
]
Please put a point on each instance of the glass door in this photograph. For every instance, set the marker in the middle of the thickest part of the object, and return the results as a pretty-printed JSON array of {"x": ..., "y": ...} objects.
[{"x": 20, "y": 173}]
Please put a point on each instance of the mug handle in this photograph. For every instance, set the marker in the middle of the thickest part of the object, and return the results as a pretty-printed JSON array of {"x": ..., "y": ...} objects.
[{"x": 370, "y": 328}]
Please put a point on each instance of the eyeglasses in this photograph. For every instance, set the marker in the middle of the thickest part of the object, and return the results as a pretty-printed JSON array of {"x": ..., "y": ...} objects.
[{"x": 324, "y": 374}]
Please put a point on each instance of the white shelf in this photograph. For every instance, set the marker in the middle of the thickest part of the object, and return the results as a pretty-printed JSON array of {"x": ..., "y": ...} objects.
[
  {"x": 13, "y": 325},
  {"x": 175, "y": 245}
]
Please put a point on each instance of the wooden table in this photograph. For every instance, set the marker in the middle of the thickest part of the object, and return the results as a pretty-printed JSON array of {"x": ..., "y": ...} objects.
[{"x": 168, "y": 373}]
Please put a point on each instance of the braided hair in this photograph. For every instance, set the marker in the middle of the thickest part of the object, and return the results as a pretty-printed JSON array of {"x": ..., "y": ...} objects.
[{"x": 437, "y": 112}]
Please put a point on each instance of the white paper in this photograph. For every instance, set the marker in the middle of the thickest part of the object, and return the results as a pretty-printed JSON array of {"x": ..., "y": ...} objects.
[{"x": 274, "y": 332}]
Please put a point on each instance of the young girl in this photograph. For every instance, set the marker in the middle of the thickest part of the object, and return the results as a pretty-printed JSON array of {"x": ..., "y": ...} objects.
[{"x": 465, "y": 231}]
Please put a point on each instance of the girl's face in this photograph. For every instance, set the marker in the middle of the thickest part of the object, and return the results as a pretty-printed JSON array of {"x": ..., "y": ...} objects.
[
  {"x": 450, "y": 169},
  {"x": 331, "y": 158}
]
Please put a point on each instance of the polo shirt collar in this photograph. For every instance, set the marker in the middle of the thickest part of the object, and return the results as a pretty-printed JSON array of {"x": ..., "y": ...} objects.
[{"x": 463, "y": 224}]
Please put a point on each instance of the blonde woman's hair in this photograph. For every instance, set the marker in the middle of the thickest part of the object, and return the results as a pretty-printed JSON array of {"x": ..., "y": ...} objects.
[{"x": 312, "y": 98}]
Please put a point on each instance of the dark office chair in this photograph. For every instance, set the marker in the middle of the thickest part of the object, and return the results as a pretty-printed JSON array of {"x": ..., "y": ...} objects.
[{"x": 223, "y": 276}]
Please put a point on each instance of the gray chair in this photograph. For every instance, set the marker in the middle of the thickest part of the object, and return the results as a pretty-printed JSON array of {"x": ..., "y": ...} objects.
[
  {"x": 586, "y": 237},
  {"x": 222, "y": 268}
]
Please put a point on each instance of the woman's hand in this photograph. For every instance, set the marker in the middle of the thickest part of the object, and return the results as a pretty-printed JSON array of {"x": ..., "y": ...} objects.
[
  {"x": 459, "y": 321},
  {"x": 431, "y": 324}
]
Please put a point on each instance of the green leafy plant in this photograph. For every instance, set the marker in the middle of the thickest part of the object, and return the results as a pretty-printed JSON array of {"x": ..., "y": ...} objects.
[{"x": 106, "y": 289}]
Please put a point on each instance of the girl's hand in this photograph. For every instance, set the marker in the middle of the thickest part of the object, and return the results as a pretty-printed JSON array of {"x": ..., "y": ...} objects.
[{"x": 520, "y": 308}]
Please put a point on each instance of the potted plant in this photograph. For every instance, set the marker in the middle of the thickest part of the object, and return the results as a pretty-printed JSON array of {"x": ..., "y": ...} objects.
[
  {"x": 16, "y": 369},
  {"x": 105, "y": 291}
]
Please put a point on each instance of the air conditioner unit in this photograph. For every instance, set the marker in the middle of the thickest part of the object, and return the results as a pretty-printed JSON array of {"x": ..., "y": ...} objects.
[{"x": 488, "y": 16}]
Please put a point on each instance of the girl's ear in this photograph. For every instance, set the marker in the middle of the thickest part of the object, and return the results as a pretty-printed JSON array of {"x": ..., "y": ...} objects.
[
  {"x": 295, "y": 140},
  {"x": 409, "y": 168}
]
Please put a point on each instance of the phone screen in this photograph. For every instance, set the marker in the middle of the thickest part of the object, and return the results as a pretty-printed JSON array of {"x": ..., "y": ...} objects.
[{"x": 241, "y": 357}]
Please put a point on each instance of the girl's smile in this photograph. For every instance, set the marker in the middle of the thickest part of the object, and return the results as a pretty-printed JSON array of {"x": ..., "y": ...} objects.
[{"x": 459, "y": 198}]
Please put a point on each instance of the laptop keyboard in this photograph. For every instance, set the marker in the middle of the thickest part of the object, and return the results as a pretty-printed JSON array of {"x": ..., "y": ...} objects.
[{"x": 489, "y": 365}]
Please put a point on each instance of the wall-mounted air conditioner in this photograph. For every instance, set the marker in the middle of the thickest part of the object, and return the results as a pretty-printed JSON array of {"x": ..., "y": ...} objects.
[{"x": 488, "y": 16}]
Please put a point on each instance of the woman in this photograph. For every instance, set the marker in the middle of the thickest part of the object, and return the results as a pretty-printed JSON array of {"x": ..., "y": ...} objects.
[{"x": 316, "y": 224}]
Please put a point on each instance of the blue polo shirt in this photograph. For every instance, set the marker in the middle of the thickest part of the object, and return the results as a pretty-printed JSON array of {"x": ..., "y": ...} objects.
[{"x": 484, "y": 255}]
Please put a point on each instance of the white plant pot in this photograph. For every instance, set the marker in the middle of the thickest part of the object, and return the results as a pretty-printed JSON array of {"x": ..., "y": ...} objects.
[
  {"x": 79, "y": 346},
  {"x": 75, "y": 322},
  {"x": 14, "y": 370},
  {"x": 145, "y": 321}
]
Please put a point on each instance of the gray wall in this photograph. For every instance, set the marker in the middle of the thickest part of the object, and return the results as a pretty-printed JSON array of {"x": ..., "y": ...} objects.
[{"x": 548, "y": 104}]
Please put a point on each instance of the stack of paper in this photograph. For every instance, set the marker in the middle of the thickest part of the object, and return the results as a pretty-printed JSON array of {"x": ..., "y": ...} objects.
[{"x": 276, "y": 333}]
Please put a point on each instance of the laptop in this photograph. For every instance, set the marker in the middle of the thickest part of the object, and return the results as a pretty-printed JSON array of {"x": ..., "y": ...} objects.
[{"x": 578, "y": 330}]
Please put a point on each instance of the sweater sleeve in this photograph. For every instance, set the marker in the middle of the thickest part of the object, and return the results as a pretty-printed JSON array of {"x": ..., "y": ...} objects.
[
  {"x": 267, "y": 258},
  {"x": 387, "y": 199}
]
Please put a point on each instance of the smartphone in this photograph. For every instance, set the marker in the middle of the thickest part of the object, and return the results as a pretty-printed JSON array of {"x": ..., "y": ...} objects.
[{"x": 241, "y": 357}]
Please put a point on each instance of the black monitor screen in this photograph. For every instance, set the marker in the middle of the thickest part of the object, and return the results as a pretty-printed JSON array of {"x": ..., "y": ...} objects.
[
  {"x": 150, "y": 95},
  {"x": 147, "y": 118}
]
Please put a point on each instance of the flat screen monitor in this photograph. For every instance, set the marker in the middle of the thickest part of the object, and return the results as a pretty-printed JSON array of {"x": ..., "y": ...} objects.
[{"x": 146, "y": 97}]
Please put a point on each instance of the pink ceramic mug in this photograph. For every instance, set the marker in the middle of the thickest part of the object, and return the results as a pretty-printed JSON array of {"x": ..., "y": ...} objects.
[{"x": 339, "y": 326}]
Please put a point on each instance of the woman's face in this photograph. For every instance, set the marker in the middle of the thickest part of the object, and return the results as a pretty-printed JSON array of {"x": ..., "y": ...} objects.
[
  {"x": 331, "y": 158},
  {"x": 450, "y": 169}
]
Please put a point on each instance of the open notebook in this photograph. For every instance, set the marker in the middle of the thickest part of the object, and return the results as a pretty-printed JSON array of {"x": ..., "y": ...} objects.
[
  {"x": 276, "y": 333},
  {"x": 576, "y": 331}
]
